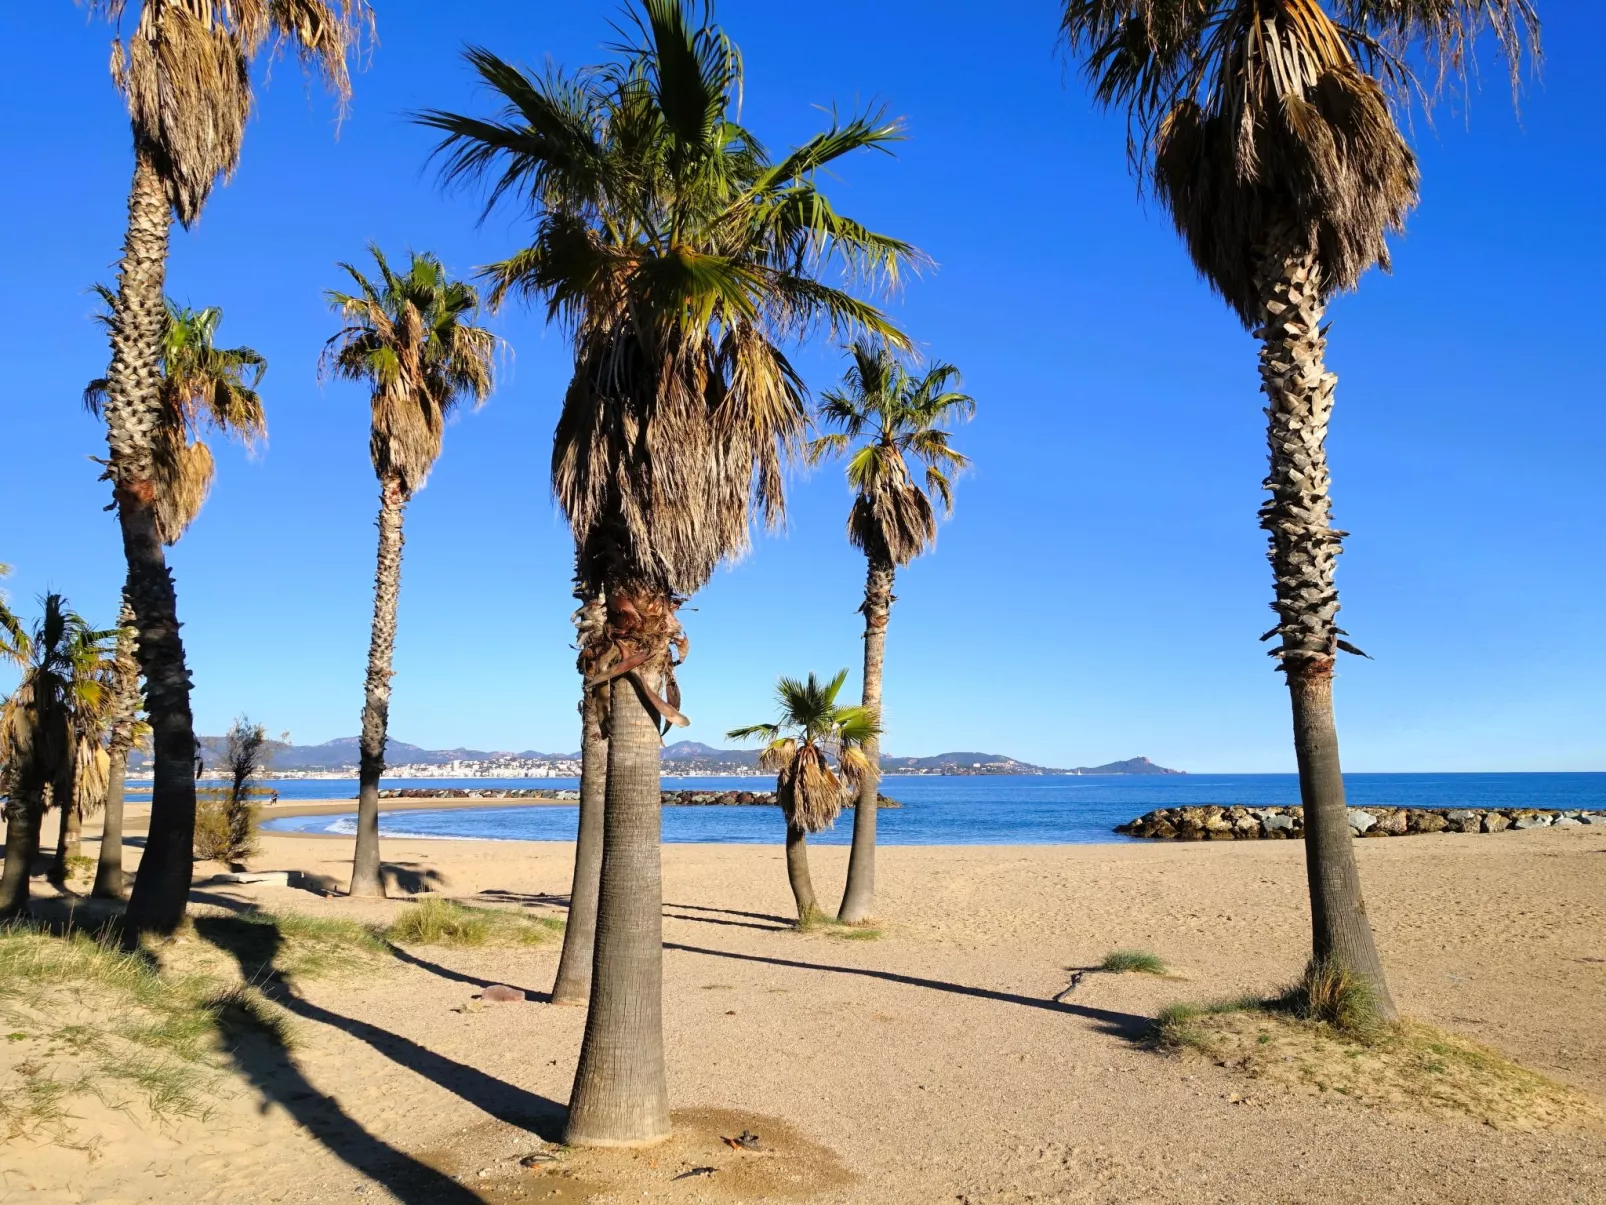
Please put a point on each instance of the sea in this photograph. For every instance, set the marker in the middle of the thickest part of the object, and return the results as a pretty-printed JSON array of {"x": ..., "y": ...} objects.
[{"x": 981, "y": 810}]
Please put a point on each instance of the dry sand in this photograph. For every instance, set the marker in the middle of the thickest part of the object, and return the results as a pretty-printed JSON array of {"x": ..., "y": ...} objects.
[{"x": 929, "y": 1065}]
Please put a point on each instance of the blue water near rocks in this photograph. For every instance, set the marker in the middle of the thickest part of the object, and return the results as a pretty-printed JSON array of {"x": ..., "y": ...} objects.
[{"x": 1003, "y": 810}]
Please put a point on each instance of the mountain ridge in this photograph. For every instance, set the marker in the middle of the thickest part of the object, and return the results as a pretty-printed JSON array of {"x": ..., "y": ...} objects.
[{"x": 682, "y": 757}]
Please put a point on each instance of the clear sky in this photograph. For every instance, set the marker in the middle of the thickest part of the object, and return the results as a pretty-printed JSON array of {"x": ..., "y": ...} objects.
[{"x": 1098, "y": 593}]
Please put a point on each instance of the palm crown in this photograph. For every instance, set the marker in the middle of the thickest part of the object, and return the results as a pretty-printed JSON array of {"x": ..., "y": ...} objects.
[
  {"x": 202, "y": 387},
  {"x": 811, "y": 729},
  {"x": 903, "y": 416},
  {"x": 54, "y": 718},
  {"x": 682, "y": 258},
  {"x": 409, "y": 337},
  {"x": 185, "y": 74},
  {"x": 1267, "y": 121}
]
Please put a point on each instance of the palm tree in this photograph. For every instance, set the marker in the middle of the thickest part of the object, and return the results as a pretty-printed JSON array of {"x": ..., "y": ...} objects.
[
  {"x": 201, "y": 388},
  {"x": 185, "y": 75},
  {"x": 13, "y": 638},
  {"x": 681, "y": 258},
  {"x": 43, "y": 724},
  {"x": 572, "y": 985},
  {"x": 409, "y": 339},
  {"x": 892, "y": 522},
  {"x": 809, "y": 732},
  {"x": 1266, "y": 129}
]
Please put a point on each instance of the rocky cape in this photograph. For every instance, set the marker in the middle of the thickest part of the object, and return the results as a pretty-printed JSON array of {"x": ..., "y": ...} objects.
[{"x": 1237, "y": 823}]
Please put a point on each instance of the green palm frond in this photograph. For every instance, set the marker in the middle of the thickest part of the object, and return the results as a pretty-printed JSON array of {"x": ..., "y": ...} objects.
[
  {"x": 411, "y": 338},
  {"x": 684, "y": 262},
  {"x": 901, "y": 416},
  {"x": 811, "y": 728}
]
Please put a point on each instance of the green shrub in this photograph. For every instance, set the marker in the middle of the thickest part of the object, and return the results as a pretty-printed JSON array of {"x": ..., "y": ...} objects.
[{"x": 438, "y": 922}]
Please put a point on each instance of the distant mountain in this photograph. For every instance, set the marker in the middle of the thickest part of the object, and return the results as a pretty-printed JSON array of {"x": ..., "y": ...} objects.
[{"x": 682, "y": 758}]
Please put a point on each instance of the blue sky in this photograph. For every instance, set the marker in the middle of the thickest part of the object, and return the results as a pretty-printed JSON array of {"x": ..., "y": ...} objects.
[{"x": 1100, "y": 589}]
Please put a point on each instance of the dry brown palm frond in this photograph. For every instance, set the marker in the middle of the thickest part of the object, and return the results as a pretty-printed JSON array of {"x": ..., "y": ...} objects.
[
  {"x": 809, "y": 792},
  {"x": 184, "y": 469},
  {"x": 1294, "y": 136},
  {"x": 185, "y": 75}
]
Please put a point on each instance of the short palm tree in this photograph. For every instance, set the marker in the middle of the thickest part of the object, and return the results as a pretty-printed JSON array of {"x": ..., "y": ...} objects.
[
  {"x": 1268, "y": 132},
  {"x": 682, "y": 258},
  {"x": 202, "y": 389},
  {"x": 410, "y": 338},
  {"x": 811, "y": 731},
  {"x": 185, "y": 75},
  {"x": 899, "y": 416},
  {"x": 44, "y": 725}
]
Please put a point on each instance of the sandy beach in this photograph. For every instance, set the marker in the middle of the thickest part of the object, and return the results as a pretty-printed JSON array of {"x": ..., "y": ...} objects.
[{"x": 932, "y": 1064}]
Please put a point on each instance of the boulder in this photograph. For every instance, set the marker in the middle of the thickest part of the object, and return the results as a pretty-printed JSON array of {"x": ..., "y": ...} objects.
[
  {"x": 1247, "y": 826},
  {"x": 1496, "y": 822},
  {"x": 501, "y": 993},
  {"x": 1392, "y": 822},
  {"x": 1277, "y": 825},
  {"x": 1531, "y": 820},
  {"x": 1359, "y": 821},
  {"x": 1425, "y": 822},
  {"x": 1567, "y": 822},
  {"x": 1594, "y": 818}
]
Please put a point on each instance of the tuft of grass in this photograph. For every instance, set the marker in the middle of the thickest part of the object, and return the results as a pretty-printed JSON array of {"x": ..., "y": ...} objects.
[
  {"x": 1140, "y": 962},
  {"x": 289, "y": 945},
  {"x": 438, "y": 922},
  {"x": 829, "y": 926},
  {"x": 1331, "y": 994}
]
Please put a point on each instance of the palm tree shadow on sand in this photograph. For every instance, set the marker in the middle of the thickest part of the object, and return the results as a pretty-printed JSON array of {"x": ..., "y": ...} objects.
[
  {"x": 1130, "y": 1026},
  {"x": 262, "y": 1058}
]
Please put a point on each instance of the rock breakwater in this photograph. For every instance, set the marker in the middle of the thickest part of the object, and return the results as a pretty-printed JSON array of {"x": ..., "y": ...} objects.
[
  {"x": 1239, "y": 823},
  {"x": 676, "y": 798}
]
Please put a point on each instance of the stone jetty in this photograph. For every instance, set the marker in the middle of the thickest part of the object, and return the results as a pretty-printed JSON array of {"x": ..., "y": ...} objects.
[
  {"x": 676, "y": 798},
  {"x": 1238, "y": 823}
]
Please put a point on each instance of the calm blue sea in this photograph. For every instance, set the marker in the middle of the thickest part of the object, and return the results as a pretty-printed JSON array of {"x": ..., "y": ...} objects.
[{"x": 953, "y": 811}]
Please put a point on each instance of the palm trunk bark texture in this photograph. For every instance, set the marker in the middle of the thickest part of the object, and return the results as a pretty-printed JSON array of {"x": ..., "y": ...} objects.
[
  {"x": 161, "y": 890},
  {"x": 858, "y": 899},
  {"x": 109, "y": 878},
  {"x": 620, "y": 1095},
  {"x": 573, "y": 983},
  {"x": 367, "y": 873},
  {"x": 24, "y": 810},
  {"x": 1303, "y": 554},
  {"x": 797, "y": 874}
]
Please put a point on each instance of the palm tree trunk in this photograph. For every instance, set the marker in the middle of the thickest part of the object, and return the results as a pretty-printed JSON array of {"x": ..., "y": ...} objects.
[
  {"x": 109, "y": 879},
  {"x": 69, "y": 841},
  {"x": 573, "y": 984},
  {"x": 161, "y": 891},
  {"x": 797, "y": 873},
  {"x": 620, "y": 1097},
  {"x": 1304, "y": 552},
  {"x": 367, "y": 878},
  {"x": 23, "y": 812},
  {"x": 858, "y": 899}
]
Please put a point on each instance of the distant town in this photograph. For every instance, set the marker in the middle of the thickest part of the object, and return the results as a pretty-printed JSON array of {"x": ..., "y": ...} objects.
[{"x": 684, "y": 759}]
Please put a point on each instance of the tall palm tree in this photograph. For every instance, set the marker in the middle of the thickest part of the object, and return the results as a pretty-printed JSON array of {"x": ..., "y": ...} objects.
[
  {"x": 57, "y": 702},
  {"x": 900, "y": 416},
  {"x": 185, "y": 75},
  {"x": 811, "y": 730},
  {"x": 1267, "y": 130},
  {"x": 681, "y": 257},
  {"x": 410, "y": 339},
  {"x": 202, "y": 388},
  {"x": 572, "y": 985}
]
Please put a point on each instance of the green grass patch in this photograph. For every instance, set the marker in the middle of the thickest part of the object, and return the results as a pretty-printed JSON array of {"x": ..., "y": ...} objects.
[
  {"x": 438, "y": 922},
  {"x": 1324, "y": 1034},
  {"x": 1141, "y": 962},
  {"x": 829, "y": 926}
]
